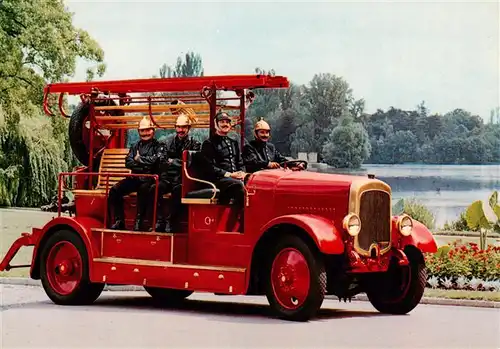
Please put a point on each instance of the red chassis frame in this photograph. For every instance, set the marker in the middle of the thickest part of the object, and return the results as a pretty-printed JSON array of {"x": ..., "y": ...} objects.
[{"x": 211, "y": 255}]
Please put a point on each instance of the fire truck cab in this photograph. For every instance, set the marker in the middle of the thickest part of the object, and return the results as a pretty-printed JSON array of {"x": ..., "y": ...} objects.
[{"x": 302, "y": 235}]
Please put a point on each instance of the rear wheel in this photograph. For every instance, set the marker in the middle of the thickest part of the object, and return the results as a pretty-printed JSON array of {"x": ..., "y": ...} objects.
[
  {"x": 296, "y": 280},
  {"x": 400, "y": 289},
  {"x": 167, "y": 295},
  {"x": 64, "y": 270}
]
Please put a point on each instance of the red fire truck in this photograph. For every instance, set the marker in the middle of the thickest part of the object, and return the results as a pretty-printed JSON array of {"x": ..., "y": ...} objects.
[{"x": 303, "y": 235}]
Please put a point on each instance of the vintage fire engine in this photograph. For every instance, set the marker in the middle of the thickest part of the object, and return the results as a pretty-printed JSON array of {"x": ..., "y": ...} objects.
[{"x": 303, "y": 235}]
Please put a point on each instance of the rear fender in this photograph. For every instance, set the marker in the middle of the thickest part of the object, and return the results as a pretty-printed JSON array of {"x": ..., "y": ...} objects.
[
  {"x": 421, "y": 237},
  {"x": 321, "y": 230},
  {"x": 80, "y": 225}
]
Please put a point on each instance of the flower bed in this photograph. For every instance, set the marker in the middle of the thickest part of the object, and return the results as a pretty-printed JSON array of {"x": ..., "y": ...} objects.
[{"x": 464, "y": 267}]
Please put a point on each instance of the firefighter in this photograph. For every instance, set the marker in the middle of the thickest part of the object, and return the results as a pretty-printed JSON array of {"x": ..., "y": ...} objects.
[
  {"x": 223, "y": 164},
  {"x": 170, "y": 168},
  {"x": 142, "y": 159},
  {"x": 260, "y": 154}
]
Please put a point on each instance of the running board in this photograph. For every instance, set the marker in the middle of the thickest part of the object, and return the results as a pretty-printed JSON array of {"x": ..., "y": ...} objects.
[
  {"x": 203, "y": 278},
  {"x": 115, "y": 231}
]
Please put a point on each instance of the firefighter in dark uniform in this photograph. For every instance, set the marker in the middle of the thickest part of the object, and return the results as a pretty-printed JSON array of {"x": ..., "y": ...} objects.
[
  {"x": 170, "y": 170},
  {"x": 260, "y": 154},
  {"x": 142, "y": 159},
  {"x": 223, "y": 163}
]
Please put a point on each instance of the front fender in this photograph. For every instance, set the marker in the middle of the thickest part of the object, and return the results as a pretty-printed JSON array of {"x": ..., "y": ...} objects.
[
  {"x": 80, "y": 225},
  {"x": 421, "y": 237},
  {"x": 320, "y": 229}
]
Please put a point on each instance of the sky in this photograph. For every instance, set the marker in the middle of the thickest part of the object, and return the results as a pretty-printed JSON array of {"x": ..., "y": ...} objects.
[{"x": 392, "y": 53}]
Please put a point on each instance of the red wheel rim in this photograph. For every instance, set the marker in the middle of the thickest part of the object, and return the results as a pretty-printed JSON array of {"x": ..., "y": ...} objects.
[
  {"x": 64, "y": 267},
  {"x": 290, "y": 278}
]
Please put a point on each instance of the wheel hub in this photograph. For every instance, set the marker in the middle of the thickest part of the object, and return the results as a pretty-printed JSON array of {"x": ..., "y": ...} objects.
[{"x": 290, "y": 278}]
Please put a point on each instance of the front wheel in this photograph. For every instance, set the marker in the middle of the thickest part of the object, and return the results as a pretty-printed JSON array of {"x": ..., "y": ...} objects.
[
  {"x": 296, "y": 280},
  {"x": 64, "y": 270},
  {"x": 400, "y": 289}
]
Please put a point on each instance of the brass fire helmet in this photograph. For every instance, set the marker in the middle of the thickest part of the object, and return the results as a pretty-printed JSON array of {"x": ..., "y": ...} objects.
[{"x": 146, "y": 123}]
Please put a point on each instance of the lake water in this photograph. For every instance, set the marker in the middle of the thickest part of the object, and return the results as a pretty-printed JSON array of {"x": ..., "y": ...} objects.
[{"x": 447, "y": 190}]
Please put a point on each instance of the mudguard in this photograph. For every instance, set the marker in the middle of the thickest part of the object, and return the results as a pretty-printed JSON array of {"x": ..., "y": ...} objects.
[
  {"x": 81, "y": 225},
  {"x": 421, "y": 237},
  {"x": 321, "y": 230}
]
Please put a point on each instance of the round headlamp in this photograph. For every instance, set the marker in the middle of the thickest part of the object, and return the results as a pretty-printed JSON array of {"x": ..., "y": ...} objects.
[
  {"x": 352, "y": 224},
  {"x": 405, "y": 225}
]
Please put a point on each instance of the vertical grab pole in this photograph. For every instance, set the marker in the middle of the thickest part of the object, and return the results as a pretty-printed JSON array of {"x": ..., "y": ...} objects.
[
  {"x": 155, "y": 203},
  {"x": 91, "y": 140},
  {"x": 213, "y": 109},
  {"x": 107, "y": 206},
  {"x": 242, "y": 120}
]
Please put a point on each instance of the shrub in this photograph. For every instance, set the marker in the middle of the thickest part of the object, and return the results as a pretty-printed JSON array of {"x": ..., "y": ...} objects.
[
  {"x": 459, "y": 225},
  {"x": 453, "y": 265},
  {"x": 415, "y": 210}
]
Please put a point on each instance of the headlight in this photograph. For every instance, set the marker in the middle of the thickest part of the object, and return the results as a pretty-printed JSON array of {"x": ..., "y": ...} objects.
[
  {"x": 405, "y": 225},
  {"x": 352, "y": 224}
]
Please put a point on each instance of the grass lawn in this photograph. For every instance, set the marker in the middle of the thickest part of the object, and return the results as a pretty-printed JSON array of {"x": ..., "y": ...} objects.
[
  {"x": 13, "y": 222},
  {"x": 462, "y": 294}
]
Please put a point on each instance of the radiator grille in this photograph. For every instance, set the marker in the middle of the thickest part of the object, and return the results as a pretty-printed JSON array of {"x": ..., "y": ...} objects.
[{"x": 375, "y": 214}]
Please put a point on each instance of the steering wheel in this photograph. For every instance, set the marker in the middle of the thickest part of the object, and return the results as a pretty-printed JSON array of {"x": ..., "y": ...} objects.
[{"x": 295, "y": 163}]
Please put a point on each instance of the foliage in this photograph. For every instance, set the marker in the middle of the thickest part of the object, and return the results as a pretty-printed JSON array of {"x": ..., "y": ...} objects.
[
  {"x": 458, "y": 137},
  {"x": 348, "y": 145},
  {"x": 415, "y": 210},
  {"x": 460, "y": 224},
  {"x": 477, "y": 219},
  {"x": 38, "y": 44},
  {"x": 453, "y": 266}
]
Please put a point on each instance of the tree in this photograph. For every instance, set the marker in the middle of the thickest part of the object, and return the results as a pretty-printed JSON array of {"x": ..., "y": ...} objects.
[
  {"x": 348, "y": 144},
  {"x": 38, "y": 44},
  {"x": 329, "y": 97}
]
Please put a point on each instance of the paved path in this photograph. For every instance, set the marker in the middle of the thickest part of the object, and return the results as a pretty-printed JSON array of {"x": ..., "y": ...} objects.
[{"x": 129, "y": 320}]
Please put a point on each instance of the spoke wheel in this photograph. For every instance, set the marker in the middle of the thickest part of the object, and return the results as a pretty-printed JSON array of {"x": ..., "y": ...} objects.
[
  {"x": 296, "y": 282},
  {"x": 64, "y": 270}
]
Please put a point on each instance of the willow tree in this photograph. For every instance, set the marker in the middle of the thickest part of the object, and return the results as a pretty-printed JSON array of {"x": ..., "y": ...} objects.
[{"x": 38, "y": 45}]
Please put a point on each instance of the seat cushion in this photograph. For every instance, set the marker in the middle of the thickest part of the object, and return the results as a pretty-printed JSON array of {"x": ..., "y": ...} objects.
[{"x": 202, "y": 193}]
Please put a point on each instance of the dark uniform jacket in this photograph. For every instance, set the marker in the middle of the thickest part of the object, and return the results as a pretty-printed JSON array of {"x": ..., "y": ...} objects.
[
  {"x": 220, "y": 154},
  {"x": 258, "y": 154},
  {"x": 149, "y": 155},
  {"x": 173, "y": 149}
]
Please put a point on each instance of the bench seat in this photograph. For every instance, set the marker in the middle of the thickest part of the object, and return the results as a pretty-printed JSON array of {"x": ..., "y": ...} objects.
[{"x": 112, "y": 160}]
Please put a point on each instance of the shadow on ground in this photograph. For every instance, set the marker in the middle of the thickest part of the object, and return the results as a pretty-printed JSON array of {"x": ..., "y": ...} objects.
[{"x": 217, "y": 310}]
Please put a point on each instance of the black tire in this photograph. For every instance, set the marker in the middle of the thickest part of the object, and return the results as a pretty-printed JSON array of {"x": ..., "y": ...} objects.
[
  {"x": 85, "y": 292},
  {"x": 388, "y": 296},
  {"x": 167, "y": 296},
  {"x": 317, "y": 280},
  {"x": 75, "y": 131}
]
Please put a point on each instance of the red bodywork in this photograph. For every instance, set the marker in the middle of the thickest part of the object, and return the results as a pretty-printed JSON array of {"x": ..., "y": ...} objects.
[{"x": 211, "y": 254}]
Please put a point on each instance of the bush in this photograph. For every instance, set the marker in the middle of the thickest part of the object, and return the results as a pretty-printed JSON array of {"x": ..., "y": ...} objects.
[
  {"x": 454, "y": 265},
  {"x": 458, "y": 225},
  {"x": 417, "y": 211}
]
